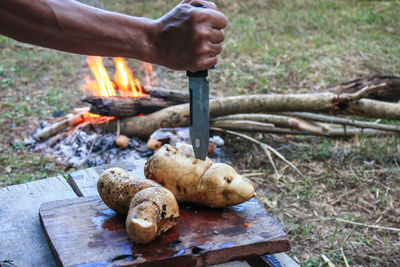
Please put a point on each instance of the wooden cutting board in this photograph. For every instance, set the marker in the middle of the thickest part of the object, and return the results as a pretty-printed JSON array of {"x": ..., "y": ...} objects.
[{"x": 84, "y": 232}]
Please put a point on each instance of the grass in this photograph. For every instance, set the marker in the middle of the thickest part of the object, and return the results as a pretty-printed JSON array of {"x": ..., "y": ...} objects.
[{"x": 276, "y": 46}]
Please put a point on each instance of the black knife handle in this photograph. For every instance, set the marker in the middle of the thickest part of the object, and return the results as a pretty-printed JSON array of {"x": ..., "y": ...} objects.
[{"x": 197, "y": 74}]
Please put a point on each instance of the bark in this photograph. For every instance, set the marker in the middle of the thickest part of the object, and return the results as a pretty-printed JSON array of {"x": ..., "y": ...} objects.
[
  {"x": 344, "y": 121},
  {"x": 276, "y": 120},
  {"x": 126, "y": 106},
  {"x": 178, "y": 116},
  {"x": 157, "y": 99},
  {"x": 335, "y": 132},
  {"x": 390, "y": 92},
  {"x": 175, "y": 95}
]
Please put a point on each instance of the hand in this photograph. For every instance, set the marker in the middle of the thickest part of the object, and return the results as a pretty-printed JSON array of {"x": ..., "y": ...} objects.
[{"x": 188, "y": 37}]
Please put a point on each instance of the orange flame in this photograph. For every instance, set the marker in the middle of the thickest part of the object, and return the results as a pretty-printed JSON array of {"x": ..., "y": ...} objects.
[
  {"x": 124, "y": 84},
  {"x": 103, "y": 86},
  {"x": 127, "y": 84},
  {"x": 148, "y": 70}
]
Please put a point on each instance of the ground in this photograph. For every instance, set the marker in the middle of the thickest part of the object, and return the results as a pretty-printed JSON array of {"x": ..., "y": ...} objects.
[{"x": 286, "y": 46}]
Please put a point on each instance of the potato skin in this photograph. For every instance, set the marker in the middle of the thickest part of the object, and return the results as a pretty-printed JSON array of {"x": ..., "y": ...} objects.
[
  {"x": 222, "y": 186},
  {"x": 117, "y": 188},
  {"x": 152, "y": 212},
  {"x": 141, "y": 222},
  {"x": 176, "y": 169},
  {"x": 194, "y": 180}
]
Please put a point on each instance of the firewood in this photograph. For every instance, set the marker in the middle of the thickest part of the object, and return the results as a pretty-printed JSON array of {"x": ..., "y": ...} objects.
[
  {"x": 329, "y": 103},
  {"x": 61, "y": 124},
  {"x": 157, "y": 99},
  {"x": 126, "y": 106},
  {"x": 390, "y": 92}
]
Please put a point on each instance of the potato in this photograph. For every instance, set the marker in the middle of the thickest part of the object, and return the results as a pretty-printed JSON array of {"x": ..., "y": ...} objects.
[
  {"x": 194, "y": 180},
  {"x": 117, "y": 188},
  {"x": 152, "y": 212},
  {"x": 152, "y": 209},
  {"x": 122, "y": 141}
]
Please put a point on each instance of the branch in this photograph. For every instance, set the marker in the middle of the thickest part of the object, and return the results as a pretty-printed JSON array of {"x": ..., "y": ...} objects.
[
  {"x": 178, "y": 116},
  {"x": 343, "y": 121},
  {"x": 266, "y": 148},
  {"x": 369, "y": 225},
  {"x": 277, "y": 120}
]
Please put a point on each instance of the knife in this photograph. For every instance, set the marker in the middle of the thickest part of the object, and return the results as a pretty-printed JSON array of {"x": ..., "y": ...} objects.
[{"x": 199, "y": 112}]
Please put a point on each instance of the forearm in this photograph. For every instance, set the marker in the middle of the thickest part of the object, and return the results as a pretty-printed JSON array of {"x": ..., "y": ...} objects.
[{"x": 74, "y": 27}]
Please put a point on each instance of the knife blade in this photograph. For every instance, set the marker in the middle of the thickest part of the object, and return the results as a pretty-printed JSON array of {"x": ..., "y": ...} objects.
[{"x": 199, "y": 112}]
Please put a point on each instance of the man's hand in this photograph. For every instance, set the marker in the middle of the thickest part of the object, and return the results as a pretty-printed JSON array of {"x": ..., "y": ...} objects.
[{"x": 188, "y": 37}]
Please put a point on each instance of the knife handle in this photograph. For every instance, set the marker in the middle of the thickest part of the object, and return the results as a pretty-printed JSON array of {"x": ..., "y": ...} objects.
[
  {"x": 197, "y": 74},
  {"x": 200, "y": 73}
]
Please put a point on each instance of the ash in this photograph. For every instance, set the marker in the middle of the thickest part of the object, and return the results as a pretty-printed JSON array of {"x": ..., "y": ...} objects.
[
  {"x": 89, "y": 149},
  {"x": 86, "y": 148}
]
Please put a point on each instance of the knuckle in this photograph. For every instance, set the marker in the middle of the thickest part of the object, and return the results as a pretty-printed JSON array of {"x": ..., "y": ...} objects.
[{"x": 218, "y": 49}]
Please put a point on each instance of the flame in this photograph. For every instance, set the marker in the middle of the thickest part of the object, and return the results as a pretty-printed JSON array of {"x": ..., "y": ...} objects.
[
  {"x": 124, "y": 84},
  {"x": 127, "y": 84},
  {"x": 148, "y": 70},
  {"x": 103, "y": 86}
]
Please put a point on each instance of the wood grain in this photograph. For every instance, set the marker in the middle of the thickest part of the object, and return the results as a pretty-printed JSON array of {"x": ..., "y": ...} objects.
[
  {"x": 202, "y": 236},
  {"x": 22, "y": 241}
]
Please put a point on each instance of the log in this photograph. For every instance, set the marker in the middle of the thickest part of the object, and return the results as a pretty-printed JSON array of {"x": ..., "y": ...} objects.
[
  {"x": 390, "y": 92},
  {"x": 175, "y": 95},
  {"x": 157, "y": 99},
  {"x": 384, "y": 88},
  {"x": 126, "y": 106},
  {"x": 328, "y": 103}
]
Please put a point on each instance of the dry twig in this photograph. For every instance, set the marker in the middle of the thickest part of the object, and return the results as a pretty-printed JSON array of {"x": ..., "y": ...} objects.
[
  {"x": 266, "y": 148},
  {"x": 369, "y": 225},
  {"x": 328, "y": 261},
  {"x": 343, "y": 121}
]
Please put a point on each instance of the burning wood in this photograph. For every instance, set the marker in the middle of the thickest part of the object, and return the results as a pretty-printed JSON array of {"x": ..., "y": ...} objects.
[
  {"x": 155, "y": 99},
  {"x": 71, "y": 120}
]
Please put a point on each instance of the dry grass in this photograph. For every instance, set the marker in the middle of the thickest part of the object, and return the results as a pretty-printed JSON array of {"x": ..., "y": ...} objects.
[
  {"x": 271, "y": 47},
  {"x": 356, "y": 182}
]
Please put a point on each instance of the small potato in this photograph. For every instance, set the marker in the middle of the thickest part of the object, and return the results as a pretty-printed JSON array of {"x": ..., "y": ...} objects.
[
  {"x": 117, "y": 188},
  {"x": 122, "y": 141},
  {"x": 152, "y": 212}
]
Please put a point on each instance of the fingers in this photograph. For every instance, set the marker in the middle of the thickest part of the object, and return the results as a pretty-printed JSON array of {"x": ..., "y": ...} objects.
[
  {"x": 207, "y": 4},
  {"x": 204, "y": 64},
  {"x": 209, "y": 14},
  {"x": 214, "y": 50},
  {"x": 217, "y": 36},
  {"x": 216, "y": 19}
]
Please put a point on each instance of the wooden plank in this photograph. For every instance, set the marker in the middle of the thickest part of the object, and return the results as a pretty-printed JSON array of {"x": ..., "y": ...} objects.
[
  {"x": 84, "y": 182},
  {"x": 202, "y": 236},
  {"x": 22, "y": 241}
]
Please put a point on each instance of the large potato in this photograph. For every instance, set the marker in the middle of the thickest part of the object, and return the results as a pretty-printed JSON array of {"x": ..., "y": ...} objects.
[{"x": 194, "y": 180}]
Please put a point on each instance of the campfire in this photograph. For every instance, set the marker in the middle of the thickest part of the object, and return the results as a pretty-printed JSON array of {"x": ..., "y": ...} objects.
[
  {"x": 84, "y": 137},
  {"x": 123, "y": 106}
]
